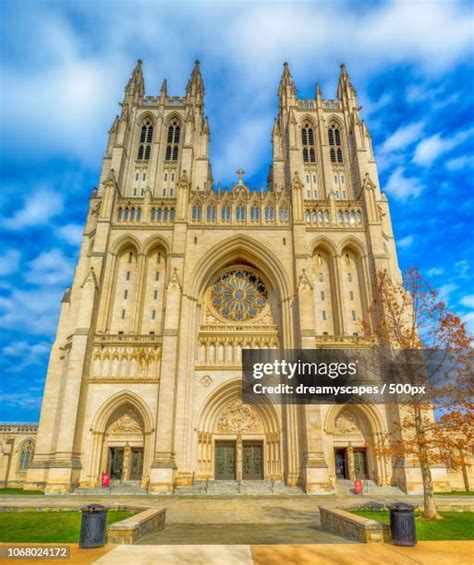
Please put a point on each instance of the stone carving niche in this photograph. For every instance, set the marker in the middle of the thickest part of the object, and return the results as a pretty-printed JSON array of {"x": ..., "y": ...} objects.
[{"x": 238, "y": 417}]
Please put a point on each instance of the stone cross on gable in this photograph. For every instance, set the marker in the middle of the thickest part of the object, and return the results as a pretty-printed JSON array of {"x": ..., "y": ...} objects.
[{"x": 241, "y": 173}]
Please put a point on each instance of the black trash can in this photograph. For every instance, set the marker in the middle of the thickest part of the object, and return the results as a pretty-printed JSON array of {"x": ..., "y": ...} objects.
[
  {"x": 402, "y": 524},
  {"x": 93, "y": 526}
]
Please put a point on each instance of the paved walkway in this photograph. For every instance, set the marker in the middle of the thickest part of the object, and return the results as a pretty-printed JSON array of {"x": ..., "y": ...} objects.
[
  {"x": 237, "y": 534},
  {"x": 426, "y": 553},
  {"x": 222, "y": 509}
]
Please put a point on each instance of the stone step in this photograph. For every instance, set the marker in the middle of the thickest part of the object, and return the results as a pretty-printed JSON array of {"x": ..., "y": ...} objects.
[
  {"x": 255, "y": 488},
  {"x": 344, "y": 487}
]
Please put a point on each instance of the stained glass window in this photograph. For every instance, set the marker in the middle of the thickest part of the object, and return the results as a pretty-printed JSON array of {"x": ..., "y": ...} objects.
[{"x": 239, "y": 294}]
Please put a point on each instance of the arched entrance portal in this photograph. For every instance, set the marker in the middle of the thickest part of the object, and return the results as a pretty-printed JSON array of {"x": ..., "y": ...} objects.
[
  {"x": 355, "y": 432},
  {"x": 236, "y": 441},
  {"x": 122, "y": 441},
  {"x": 124, "y": 445}
]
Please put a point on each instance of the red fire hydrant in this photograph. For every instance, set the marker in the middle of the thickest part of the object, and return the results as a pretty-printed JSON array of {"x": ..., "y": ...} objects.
[
  {"x": 105, "y": 480},
  {"x": 358, "y": 487}
]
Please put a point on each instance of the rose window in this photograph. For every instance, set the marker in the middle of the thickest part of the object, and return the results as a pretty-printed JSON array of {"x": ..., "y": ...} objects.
[{"x": 239, "y": 294}]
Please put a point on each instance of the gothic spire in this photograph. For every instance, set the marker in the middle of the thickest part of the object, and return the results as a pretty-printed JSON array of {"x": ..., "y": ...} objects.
[
  {"x": 164, "y": 89},
  {"x": 287, "y": 86},
  {"x": 135, "y": 88},
  {"x": 345, "y": 90},
  {"x": 195, "y": 86}
]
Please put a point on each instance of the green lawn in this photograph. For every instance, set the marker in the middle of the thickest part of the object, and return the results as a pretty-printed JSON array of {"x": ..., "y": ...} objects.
[
  {"x": 48, "y": 527},
  {"x": 455, "y": 526},
  {"x": 18, "y": 491}
]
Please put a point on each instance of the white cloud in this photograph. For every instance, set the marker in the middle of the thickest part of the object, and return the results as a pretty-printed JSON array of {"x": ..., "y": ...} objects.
[
  {"x": 403, "y": 137},
  {"x": 21, "y": 354},
  {"x": 77, "y": 78},
  {"x": 432, "y": 147},
  {"x": 405, "y": 242},
  {"x": 462, "y": 268},
  {"x": 38, "y": 209},
  {"x": 25, "y": 400},
  {"x": 469, "y": 320},
  {"x": 32, "y": 311},
  {"x": 468, "y": 301},
  {"x": 19, "y": 348},
  {"x": 9, "y": 262},
  {"x": 445, "y": 291},
  {"x": 50, "y": 268},
  {"x": 459, "y": 163},
  {"x": 402, "y": 187},
  {"x": 71, "y": 233},
  {"x": 435, "y": 272}
]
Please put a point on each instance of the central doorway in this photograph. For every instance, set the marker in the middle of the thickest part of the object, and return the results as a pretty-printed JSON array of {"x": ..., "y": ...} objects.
[
  {"x": 233, "y": 463},
  {"x": 226, "y": 464},
  {"x": 252, "y": 460}
]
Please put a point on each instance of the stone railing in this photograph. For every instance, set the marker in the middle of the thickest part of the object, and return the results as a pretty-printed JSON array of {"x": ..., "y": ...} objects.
[
  {"x": 132, "y": 529},
  {"x": 331, "y": 105},
  {"x": 19, "y": 427},
  {"x": 353, "y": 527},
  {"x": 307, "y": 104},
  {"x": 344, "y": 213},
  {"x": 127, "y": 339}
]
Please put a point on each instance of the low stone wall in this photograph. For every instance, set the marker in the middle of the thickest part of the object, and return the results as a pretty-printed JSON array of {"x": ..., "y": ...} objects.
[
  {"x": 132, "y": 529},
  {"x": 349, "y": 526}
]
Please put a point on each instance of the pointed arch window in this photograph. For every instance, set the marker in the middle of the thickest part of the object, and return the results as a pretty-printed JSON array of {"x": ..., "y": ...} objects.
[
  {"x": 335, "y": 147},
  {"x": 307, "y": 139},
  {"x": 146, "y": 139},
  {"x": 211, "y": 213},
  {"x": 172, "y": 141},
  {"x": 26, "y": 455},
  {"x": 197, "y": 213},
  {"x": 225, "y": 214}
]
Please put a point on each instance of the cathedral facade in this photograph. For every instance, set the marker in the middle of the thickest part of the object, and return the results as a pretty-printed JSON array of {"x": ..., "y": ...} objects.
[{"x": 176, "y": 276}]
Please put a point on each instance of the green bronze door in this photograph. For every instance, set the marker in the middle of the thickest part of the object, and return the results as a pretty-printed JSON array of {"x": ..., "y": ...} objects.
[
  {"x": 116, "y": 462},
  {"x": 136, "y": 464},
  {"x": 252, "y": 460},
  {"x": 225, "y": 461},
  {"x": 360, "y": 463}
]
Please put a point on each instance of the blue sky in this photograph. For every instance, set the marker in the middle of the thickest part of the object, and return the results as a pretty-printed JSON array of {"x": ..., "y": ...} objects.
[{"x": 64, "y": 66}]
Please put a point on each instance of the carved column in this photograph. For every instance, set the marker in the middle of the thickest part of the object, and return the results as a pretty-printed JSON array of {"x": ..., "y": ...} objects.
[{"x": 350, "y": 462}]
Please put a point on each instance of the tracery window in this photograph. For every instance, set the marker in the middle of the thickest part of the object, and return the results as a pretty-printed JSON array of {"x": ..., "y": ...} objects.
[
  {"x": 211, "y": 214},
  {"x": 335, "y": 148},
  {"x": 146, "y": 138},
  {"x": 307, "y": 139},
  {"x": 26, "y": 455},
  {"x": 239, "y": 294},
  {"x": 196, "y": 214},
  {"x": 225, "y": 213},
  {"x": 269, "y": 214},
  {"x": 172, "y": 140}
]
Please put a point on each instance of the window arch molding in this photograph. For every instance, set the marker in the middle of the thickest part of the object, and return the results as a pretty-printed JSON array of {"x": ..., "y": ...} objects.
[
  {"x": 308, "y": 140},
  {"x": 26, "y": 451},
  {"x": 173, "y": 132},
  {"x": 146, "y": 128},
  {"x": 335, "y": 135}
]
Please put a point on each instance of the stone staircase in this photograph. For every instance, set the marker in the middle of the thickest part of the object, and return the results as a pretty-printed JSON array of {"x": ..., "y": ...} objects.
[
  {"x": 117, "y": 488},
  {"x": 243, "y": 488},
  {"x": 346, "y": 487}
]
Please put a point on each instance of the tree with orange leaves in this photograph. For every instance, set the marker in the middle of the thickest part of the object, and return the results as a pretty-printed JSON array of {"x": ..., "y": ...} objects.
[{"x": 436, "y": 428}]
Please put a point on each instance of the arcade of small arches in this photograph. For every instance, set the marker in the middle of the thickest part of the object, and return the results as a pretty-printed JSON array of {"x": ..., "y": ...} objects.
[{"x": 232, "y": 441}]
